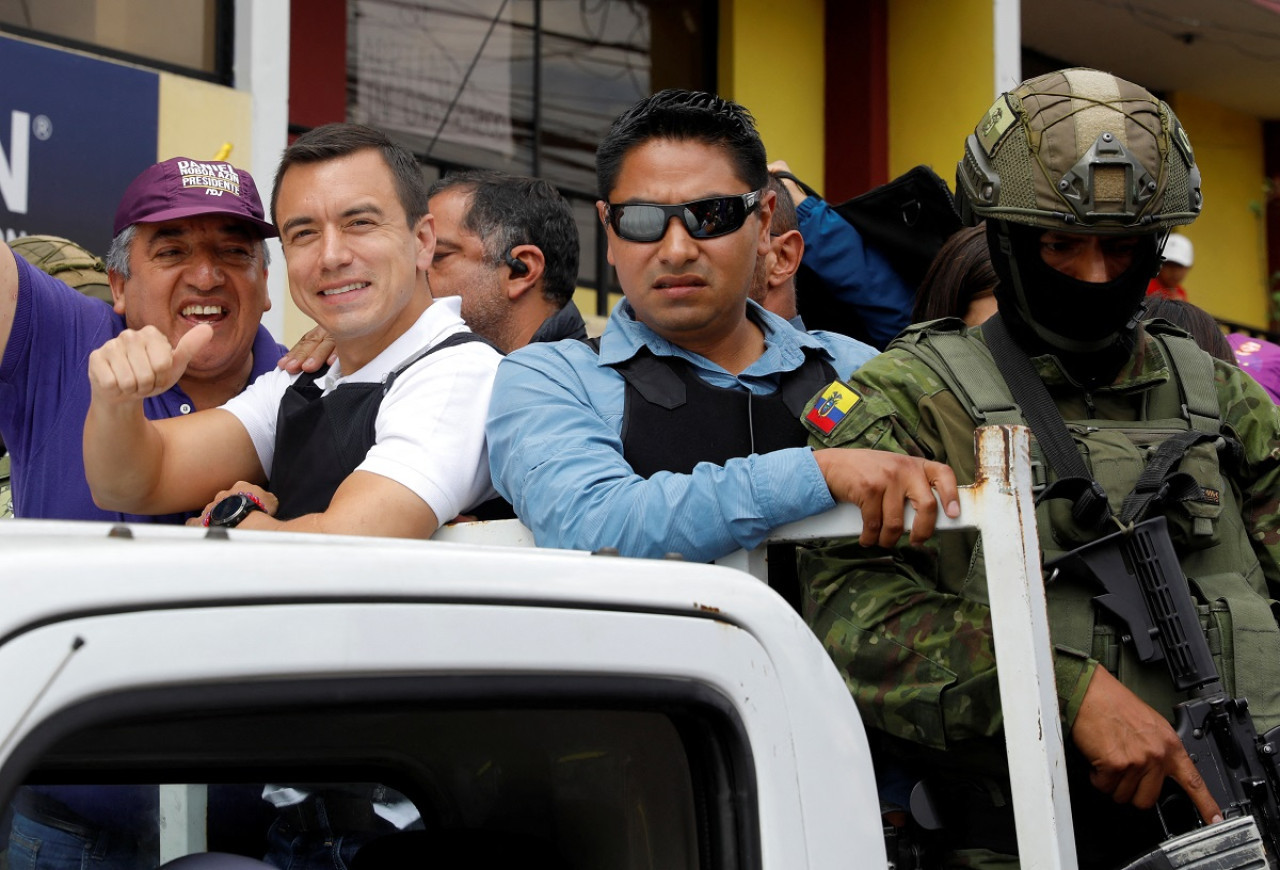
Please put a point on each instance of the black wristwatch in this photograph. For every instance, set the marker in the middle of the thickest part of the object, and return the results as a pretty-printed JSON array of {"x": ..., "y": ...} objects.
[{"x": 232, "y": 510}]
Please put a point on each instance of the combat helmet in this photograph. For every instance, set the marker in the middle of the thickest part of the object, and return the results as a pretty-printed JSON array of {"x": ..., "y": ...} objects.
[
  {"x": 1082, "y": 151},
  {"x": 66, "y": 261}
]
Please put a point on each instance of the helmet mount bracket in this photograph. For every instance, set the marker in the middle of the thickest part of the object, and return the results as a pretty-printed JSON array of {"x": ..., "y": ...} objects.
[{"x": 1107, "y": 174}]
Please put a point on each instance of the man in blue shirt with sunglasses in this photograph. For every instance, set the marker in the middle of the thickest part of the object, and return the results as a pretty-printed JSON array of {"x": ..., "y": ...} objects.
[{"x": 679, "y": 431}]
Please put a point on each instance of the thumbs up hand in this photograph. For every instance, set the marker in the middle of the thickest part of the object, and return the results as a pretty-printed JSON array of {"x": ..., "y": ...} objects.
[{"x": 138, "y": 364}]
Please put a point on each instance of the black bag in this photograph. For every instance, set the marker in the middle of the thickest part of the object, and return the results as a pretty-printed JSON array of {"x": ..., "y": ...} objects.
[{"x": 906, "y": 220}]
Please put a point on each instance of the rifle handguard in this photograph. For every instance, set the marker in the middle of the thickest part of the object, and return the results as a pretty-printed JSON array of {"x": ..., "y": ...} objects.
[{"x": 1145, "y": 588}]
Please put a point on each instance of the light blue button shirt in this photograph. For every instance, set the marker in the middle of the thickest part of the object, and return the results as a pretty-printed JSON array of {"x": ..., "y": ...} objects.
[{"x": 555, "y": 448}]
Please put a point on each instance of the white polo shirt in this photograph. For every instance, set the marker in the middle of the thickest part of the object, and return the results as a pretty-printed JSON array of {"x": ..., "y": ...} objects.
[{"x": 429, "y": 432}]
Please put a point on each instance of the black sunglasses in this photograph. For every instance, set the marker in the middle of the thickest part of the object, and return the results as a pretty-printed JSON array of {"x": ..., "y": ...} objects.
[{"x": 703, "y": 218}]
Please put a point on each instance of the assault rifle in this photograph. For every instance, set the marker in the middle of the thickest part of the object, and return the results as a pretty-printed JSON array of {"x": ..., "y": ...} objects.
[{"x": 1146, "y": 589}]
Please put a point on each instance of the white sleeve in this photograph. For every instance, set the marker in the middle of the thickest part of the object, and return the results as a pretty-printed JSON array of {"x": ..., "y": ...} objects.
[
  {"x": 429, "y": 433},
  {"x": 258, "y": 408}
]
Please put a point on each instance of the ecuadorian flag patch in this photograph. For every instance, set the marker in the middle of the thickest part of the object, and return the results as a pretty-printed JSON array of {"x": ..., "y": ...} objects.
[{"x": 831, "y": 406}]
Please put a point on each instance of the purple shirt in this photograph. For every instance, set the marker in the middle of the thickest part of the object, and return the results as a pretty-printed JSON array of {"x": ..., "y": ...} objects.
[{"x": 44, "y": 396}]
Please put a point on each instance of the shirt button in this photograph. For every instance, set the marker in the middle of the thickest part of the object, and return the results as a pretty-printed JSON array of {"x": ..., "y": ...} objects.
[{"x": 184, "y": 408}]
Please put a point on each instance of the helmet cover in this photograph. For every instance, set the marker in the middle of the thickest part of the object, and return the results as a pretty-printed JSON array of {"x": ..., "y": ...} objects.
[{"x": 1082, "y": 151}]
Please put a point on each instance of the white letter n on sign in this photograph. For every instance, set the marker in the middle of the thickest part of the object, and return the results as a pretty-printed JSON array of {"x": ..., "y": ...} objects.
[{"x": 14, "y": 168}]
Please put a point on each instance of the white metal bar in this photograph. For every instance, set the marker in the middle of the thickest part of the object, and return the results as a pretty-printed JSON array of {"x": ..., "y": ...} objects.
[
  {"x": 495, "y": 533},
  {"x": 262, "y": 69},
  {"x": 183, "y": 819},
  {"x": 1005, "y": 515},
  {"x": 1006, "y": 44}
]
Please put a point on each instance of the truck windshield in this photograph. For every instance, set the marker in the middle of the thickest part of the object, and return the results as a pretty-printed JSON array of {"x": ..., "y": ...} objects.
[{"x": 386, "y": 783}]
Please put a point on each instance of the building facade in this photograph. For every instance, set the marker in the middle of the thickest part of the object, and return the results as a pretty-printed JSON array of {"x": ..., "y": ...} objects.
[{"x": 850, "y": 94}]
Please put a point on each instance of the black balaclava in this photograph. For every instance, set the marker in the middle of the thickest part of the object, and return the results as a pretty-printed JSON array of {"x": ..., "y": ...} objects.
[{"x": 1090, "y": 327}]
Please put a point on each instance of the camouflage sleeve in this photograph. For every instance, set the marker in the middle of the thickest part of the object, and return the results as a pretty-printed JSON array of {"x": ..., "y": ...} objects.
[
  {"x": 911, "y": 640},
  {"x": 918, "y": 662},
  {"x": 876, "y": 407},
  {"x": 1251, "y": 416}
]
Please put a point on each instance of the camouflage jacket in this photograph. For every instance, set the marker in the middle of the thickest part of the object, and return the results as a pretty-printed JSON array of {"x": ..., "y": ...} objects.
[{"x": 910, "y": 629}]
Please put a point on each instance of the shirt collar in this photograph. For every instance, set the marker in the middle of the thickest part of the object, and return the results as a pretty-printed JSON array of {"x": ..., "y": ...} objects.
[
  {"x": 266, "y": 352},
  {"x": 624, "y": 336},
  {"x": 440, "y": 318}
]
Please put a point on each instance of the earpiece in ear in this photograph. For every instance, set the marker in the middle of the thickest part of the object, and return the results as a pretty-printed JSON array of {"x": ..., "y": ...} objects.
[{"x": 517, "y": 265}]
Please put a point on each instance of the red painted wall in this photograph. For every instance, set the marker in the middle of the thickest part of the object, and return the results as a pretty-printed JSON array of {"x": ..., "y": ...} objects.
[
  {"x": 317, "y": 62},
  {"x": 857, "y": 112},
  {"x": 1271, "y": 163}
]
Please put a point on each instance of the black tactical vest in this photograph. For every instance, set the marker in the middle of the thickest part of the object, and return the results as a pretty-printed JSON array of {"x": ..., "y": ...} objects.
[
  {"x": 672, "y": 419},
  {"x": 320, "y": 440}
]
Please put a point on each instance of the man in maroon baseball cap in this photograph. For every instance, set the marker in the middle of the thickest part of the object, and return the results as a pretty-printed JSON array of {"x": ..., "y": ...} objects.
[
  {"x": 190, "y": 188},
  {"x": 199, "y": 206},
  {"x": 188, "y": 249},
  {"x": 181, "y": 188},
  {"x": 388, "y": 441}
]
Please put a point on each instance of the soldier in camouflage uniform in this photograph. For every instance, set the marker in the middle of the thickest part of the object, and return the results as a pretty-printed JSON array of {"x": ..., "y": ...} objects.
[{"x": 1080, "y": 176}]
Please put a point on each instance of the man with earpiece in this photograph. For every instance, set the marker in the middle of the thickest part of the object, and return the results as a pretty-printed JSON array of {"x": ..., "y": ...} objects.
[{"x": 506, "y": 244}]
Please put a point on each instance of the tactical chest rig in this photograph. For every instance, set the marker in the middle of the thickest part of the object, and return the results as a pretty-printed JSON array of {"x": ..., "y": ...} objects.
[
  {"x": 1168, "y": 462},
  {"x": 1191, "y": 630}
]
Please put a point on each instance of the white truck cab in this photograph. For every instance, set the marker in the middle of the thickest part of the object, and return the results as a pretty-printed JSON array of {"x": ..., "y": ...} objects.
[
  {"x": 500, "y": 706},
  {"x": 605, "y": 712}
]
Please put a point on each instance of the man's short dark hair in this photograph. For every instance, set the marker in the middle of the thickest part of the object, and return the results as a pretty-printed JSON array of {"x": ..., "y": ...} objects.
[
  {"x": 340, "y": 140},
  {"x": 684, "y": 116},
  {"x": 510, "y": 210},
  {"x": 784, "y": 210}
]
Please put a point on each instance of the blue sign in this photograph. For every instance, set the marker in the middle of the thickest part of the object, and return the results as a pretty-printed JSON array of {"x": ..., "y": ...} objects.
[{"x": 74, "y": 131}]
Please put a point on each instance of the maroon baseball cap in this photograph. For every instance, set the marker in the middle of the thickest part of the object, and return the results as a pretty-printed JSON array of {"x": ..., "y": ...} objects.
[{"x": 182, "y": 187}]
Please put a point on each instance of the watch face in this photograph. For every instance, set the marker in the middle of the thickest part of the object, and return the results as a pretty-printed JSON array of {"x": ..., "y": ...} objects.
[{"x": 231, "y": 510}]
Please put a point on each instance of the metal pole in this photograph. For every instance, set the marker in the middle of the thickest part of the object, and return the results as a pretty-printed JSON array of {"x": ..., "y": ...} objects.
[{"x": 537, "y": 88}]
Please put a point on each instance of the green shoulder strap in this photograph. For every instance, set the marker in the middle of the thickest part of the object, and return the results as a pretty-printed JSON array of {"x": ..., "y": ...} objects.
[
  {"x": 1193, "y": 372},
  {"x": 966, "y": 366},
  {"x": 969, "y": 371}
]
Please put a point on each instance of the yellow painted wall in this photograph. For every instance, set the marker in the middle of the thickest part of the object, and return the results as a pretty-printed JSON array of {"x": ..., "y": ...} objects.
[
  {"x": 941, "y": 75},
  {"x": 585, "y": 299},
  {"x": 1229, "y": 278},
  {"x": 771, "y": 61},
  {"x": 197, "y": 118},
  {"x": 206, "y": 121}
]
